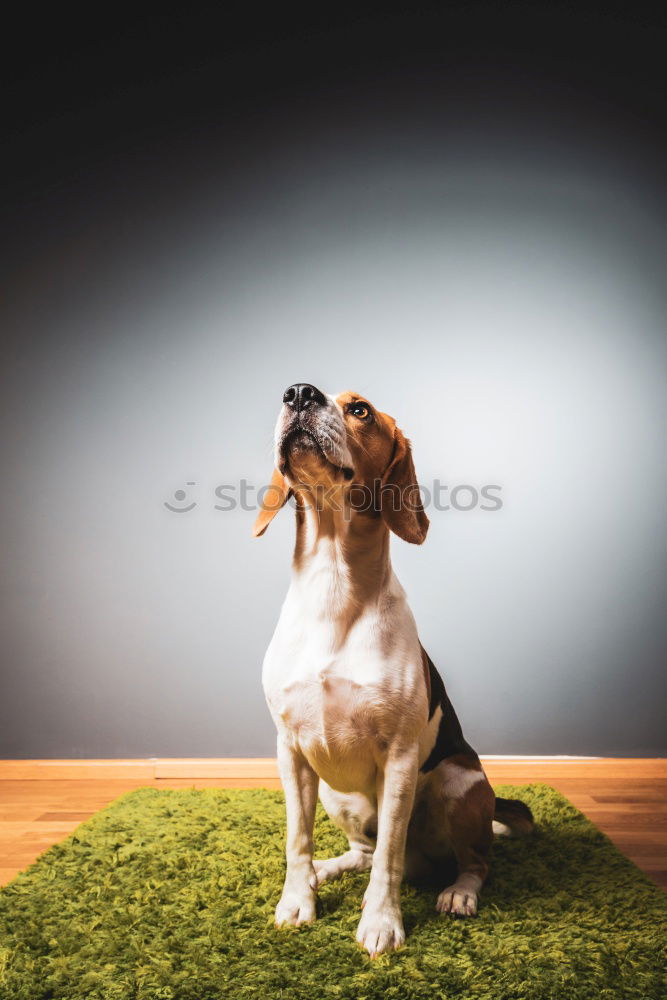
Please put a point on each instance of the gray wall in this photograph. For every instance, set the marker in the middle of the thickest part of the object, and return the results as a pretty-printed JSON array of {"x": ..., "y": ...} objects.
[{"x": 504, "y": 300}]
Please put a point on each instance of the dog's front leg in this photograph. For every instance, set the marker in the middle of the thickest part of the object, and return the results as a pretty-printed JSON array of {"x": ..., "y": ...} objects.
[
  {"x": 381, "y": 926},
  {"x": 297, "y": 903}
]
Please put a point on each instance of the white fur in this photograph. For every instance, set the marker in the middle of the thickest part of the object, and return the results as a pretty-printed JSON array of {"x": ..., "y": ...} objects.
[
  {"x": 332, "y": 690},
  {"x": 460, "y": 898},
  {"x": 459, "y": 779},
  {"x": 501, "y": 829}
]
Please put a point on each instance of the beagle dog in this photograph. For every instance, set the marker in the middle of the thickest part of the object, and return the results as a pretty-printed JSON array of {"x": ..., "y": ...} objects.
[{"x": 362, "y": 714}]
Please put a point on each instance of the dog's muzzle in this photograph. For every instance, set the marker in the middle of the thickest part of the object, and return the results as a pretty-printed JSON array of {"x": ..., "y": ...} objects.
[{"x": 311, "y": 421}]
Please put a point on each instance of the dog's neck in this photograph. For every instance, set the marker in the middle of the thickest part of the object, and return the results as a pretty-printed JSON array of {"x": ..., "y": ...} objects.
[{"x": 341, "y": 561}]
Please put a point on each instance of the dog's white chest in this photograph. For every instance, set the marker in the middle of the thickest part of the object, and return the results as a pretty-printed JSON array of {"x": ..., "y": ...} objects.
[
  {"x": 343, "y": 705},
  {"x": 338, "y": 723}
]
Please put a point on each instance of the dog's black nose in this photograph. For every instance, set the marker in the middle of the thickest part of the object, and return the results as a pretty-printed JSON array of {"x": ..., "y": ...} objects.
[{"x": 301, "y": 395}]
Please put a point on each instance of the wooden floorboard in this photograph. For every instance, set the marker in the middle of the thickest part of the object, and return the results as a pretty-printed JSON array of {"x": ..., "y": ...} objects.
[{"x": 41, "y": 802}]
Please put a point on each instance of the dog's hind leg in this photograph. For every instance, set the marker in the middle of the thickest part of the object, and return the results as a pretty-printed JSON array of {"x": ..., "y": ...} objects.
[
  {"x": 356, "y": 815},
  {"x": 357, "y": 859},
  {"x": 468, "y": 806}
]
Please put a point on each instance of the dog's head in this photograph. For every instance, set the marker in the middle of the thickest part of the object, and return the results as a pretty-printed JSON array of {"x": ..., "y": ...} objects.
[{"x": 343, "y": 450}]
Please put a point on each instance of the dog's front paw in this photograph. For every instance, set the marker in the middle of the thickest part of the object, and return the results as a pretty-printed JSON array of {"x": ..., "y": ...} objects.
[
  {"x": 380, "y": 929},
  {"x": 296, "y": 908},
  {"x": 458, "y": 901}
]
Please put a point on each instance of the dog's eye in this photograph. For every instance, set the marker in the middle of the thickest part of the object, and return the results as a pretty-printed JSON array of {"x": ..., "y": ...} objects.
[{"x": 359, "y": 410}]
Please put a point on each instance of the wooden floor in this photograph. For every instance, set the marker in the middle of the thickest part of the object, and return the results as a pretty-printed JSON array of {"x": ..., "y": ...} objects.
[{"x": 41, "y": 802}]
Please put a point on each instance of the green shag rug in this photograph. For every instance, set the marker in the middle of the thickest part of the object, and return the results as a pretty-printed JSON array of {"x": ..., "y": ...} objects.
[{"x": 169, "y": 895}]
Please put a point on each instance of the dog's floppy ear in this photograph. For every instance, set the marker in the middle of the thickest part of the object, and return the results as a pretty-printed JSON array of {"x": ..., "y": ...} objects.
[
  {"x": 274, "y": 497},
  {"x": 400, "y": 502}
]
